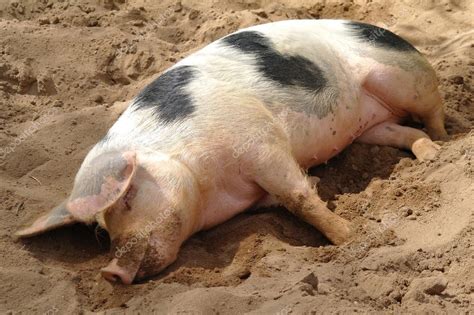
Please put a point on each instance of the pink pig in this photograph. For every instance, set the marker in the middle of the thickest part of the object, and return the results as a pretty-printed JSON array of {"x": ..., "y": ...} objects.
[{"x": 236, "y": 124}]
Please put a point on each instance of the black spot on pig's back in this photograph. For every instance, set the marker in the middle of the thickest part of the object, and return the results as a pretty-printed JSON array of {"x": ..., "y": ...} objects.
[
  {"x": 167, "y": 95},
  {"x": 380, "y": 37},
  {"x": 287, "y": 70}
]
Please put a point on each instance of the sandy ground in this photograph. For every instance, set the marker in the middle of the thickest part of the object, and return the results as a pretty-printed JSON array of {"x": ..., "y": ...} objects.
[{"x": 67, "y": 66}]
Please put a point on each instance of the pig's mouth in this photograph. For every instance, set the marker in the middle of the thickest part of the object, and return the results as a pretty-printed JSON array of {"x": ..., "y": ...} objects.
[
  {"x": 116, "y": 273},
  {"x": 128, "y": 257},
  {"x": 143, "y": 260}
]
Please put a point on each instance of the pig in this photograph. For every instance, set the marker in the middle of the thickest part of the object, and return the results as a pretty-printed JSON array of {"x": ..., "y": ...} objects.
[{"x": 236, "y": 125}]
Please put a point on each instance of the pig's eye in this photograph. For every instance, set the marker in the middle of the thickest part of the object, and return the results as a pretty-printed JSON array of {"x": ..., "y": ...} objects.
[{"x": 129, "y": 195}]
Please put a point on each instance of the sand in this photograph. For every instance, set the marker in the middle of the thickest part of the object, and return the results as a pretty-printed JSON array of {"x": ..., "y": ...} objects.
[{"x": 66, "y": 69}]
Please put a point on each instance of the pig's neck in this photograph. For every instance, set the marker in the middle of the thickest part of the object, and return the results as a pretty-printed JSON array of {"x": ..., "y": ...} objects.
[{"x": 180, "y": 184}]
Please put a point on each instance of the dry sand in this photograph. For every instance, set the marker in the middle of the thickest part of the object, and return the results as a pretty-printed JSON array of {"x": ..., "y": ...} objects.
[{"x": 67, "y": 66}]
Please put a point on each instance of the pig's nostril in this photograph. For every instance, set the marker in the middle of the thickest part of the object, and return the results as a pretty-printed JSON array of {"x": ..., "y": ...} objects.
[
  {"x": 110, "y": 276},
  {"x": 113, "y": 273}
]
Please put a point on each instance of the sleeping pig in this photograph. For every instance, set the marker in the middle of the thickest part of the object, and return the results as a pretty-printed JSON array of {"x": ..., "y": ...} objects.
[{"x": 236, "y": 125}]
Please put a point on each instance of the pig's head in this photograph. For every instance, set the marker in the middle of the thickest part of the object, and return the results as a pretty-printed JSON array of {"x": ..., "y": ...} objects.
[{"x": 146, "y": 202}]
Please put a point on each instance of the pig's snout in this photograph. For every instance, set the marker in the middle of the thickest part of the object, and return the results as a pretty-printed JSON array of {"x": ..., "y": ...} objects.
[{"x": 114, "y": 273}]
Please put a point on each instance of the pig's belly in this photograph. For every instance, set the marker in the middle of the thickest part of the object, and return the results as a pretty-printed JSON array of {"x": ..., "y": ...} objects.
[
  {"x": 313, "y": 140},
  {"x": 231, "y": 195}
]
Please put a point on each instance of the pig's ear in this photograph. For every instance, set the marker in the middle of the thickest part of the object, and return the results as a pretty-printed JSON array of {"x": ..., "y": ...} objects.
[
  {"x": 59, "y": 216},
  {"x": 100, "y": 183}
]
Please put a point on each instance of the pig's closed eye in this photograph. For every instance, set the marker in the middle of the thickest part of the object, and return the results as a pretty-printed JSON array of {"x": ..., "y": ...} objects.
[{"x": 129, "y": 195}]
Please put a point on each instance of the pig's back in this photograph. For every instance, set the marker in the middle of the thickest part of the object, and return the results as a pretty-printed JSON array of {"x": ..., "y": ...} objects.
[
  {"x": 288, "y": 63},
  {"x": 309, "y": 66}
]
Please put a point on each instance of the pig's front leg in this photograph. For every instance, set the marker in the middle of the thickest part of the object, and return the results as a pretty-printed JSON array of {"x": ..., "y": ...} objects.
[
  {"x": 281, "y": 176},
  {"x": 391, "y": 134}
]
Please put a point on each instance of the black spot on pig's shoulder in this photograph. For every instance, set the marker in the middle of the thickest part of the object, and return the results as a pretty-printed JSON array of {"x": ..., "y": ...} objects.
[
  {"x": 381, "y": 37},
  {"x": 167, "y": 95},
  {"x": 248, "y": 41},
  {"x": 288, "y": 70}
]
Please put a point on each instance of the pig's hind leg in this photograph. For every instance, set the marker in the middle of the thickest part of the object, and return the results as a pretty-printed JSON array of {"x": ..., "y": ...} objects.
[
  {"x": 404, "y": 92},
  {"x": 392, "y": 134},
  {"x": 280, "y": 175},
  {"x": 410, "y": 92}
]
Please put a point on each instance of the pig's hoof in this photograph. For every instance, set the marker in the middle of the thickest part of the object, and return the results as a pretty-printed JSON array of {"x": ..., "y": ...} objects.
[
  {"x": 344, "y": 233},
  {"x": 425, "y": 149},
  {"x": 438, "y": 134}
]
